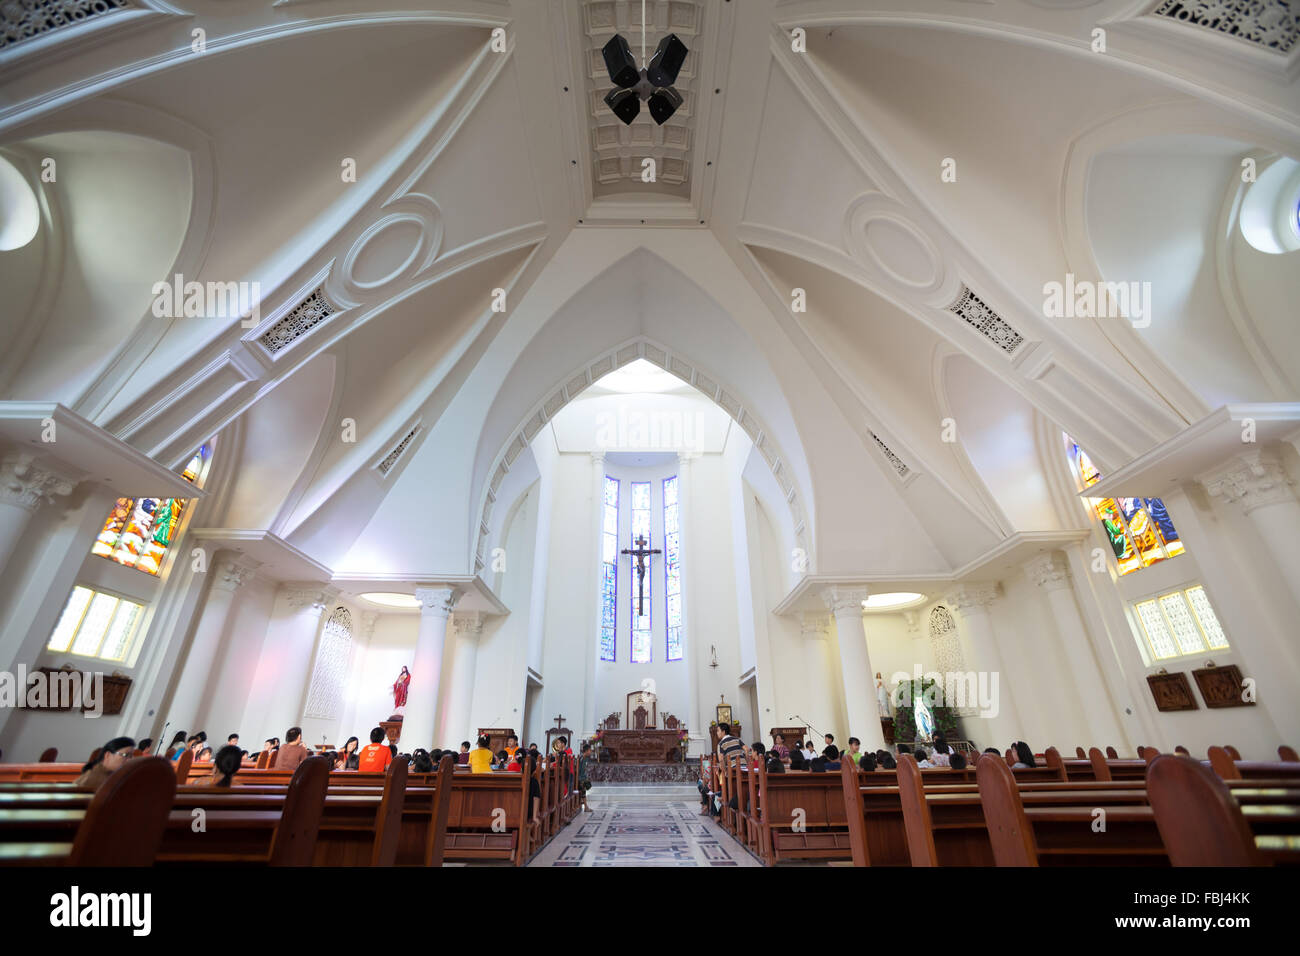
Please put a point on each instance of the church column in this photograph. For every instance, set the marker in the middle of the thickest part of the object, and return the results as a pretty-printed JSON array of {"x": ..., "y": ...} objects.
[
  {"x": 855, "y": 668},
  {"x": 280, "y": 685},
  {"x": 1261, "y": 485},
  {"x": 456, "y": 720},
  {"x": 25, "y": 485},
  {"x": 229, "y": 573},
  {"x": 690, "y": 659},
  {"x": 1052, "y": 576},
  {"x": 591, "y": 717},
  {"x": 980, "y": 650},
  {"x": 816, "y": 655},
  {"x": 426, "y": 670}
]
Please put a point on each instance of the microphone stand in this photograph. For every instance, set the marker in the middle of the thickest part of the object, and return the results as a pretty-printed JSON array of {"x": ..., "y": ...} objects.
[
  {"x": 161, "y": 737},
  {"x": 809, "y": 723}
]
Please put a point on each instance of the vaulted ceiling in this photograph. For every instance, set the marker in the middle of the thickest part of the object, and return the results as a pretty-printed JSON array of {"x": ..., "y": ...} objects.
[{"x": 450, "y": 240}]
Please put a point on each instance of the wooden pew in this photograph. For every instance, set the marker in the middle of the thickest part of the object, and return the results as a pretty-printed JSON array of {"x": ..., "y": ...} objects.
[
  {"x": 801, "y": 816},
  {"x": 1199, "y": 821}
]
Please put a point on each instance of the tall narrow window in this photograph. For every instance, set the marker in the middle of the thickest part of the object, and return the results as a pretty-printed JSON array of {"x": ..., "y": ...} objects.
[
  {"x": 325, "y": 692},
  {"x": 640, "y": 601},
  {"x": 138, "y": 530},
  {"x": 673, "y": 568},
  {"x": 609, "y": 571},
  {"x": 1140, "y": 530}
]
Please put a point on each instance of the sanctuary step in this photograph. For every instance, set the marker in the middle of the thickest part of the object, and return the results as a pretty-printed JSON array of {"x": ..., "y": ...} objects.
[{"x": 607, "y": 773}]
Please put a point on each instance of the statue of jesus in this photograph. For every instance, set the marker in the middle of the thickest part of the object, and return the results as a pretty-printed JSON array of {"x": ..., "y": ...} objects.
[
  {"x": 400, "y": 688},
  {"x": 882, "y": 696}
]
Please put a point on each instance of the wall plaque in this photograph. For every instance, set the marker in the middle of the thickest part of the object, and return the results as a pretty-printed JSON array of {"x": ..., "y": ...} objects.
[{"x": 1172, "y": 692}]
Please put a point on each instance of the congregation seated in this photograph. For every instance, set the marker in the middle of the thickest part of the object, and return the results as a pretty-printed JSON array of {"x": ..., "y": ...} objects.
[
  {"x": 349, "y": 757},
  {"x": 293, "y": 752},
  {"x": 108, "y": 758},
  {"x": 480, "y": 758},
  {"x": 224, "y": 767},
  {"x": 375, "y": 757},
  {"x": 1024, "y": 756}
]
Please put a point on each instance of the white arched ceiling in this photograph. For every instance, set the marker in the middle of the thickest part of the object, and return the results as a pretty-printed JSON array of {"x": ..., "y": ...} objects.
[
  {"x": 279, "y": 185},
  {"x": 1153, "y": 210},
  {"x": 995, "y": 428},
  {"x": 929, "y": 94},
  {"x": 123, "y": 210}
]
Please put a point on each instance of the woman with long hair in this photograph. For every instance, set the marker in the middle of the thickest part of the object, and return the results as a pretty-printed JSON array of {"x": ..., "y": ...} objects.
[
  {"x": 348, "y": 757},
  {"x": 1024, "y": 756},
  {"x": 224, "y": 767},
  {"x": 109, "y": 757}
]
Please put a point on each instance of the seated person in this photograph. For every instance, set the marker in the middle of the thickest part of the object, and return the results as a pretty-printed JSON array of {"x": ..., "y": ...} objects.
[
  {"x": 957, "y": 761},
  {"x": 421, "y": 761},
  {"x": 480, "y": 758},
  {"x": 797, "y": 761},
  {"x": 463, "y": 758},
  {"x": 375, "y": 757},
  {"x": 224, "y": 767},
  {"x": 110, "y": 757},
  {"x": 1024, "y": 756},
  {"x": 867, "y": 763},
  {"x": 922, "y": 759}
]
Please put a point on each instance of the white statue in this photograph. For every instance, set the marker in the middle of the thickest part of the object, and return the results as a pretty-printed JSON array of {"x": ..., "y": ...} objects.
[{"x": 882, "y": 696}]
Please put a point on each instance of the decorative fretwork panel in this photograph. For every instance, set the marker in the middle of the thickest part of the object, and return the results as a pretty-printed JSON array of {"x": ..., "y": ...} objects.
[
  {"x": 391, "y": 458},
  {"x": 984, "y": 320},
  {"x": 308, "y": 314},
  {"x": 27, "y": 19},
  {"x": 331, "y": 671},
  {"x": 898, "y": 464},
  {"x": 1271, "y": 24}
]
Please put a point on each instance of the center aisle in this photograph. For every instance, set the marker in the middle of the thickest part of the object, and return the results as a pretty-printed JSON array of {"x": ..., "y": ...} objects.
[{"x": 644, "y": 826}]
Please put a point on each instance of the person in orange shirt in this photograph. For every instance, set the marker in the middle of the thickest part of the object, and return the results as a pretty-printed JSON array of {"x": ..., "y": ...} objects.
[
  {"x": 375, "y": 756},
  {"x": 512, "y": 745}
]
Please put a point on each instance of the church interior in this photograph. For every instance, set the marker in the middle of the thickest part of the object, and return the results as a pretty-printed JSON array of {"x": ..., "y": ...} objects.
[{"x": 693, "y": 432}]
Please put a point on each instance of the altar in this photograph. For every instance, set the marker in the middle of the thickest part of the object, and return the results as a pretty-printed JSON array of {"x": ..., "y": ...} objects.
[{"x": 643, "y": 741}]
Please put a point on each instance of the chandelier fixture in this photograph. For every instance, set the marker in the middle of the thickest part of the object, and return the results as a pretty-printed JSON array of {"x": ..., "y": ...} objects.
[{"x": 654, "y": 84}]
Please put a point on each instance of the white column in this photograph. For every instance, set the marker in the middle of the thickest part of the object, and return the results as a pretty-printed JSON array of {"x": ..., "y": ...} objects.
[
  {"x": 691, "y": 659},
  {"x": 25, "y": 485},
  {"x": 845, "y": 603},
  {"x": 813, "y": 629},
  {"x": 356, "y": 672},
  {"x": 590, "y": 716},
  {"x": 426, "y": 670},
  {"x": 1052, "y": 576},
  {"x": 457, "y": 716},
  {"x": 289, "y": 651},
  {"x": 1261, "y": 485},
  {"x": 980, "y": 650},
  {"x": 229, "y": 572}
]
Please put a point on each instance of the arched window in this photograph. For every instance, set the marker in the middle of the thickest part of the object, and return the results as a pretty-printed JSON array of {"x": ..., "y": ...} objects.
[
  {"x": 640, "y": 609},
  {"x": 673, "y": 568},
  {"x": 325, "y": 692},
  {"x": 139, "y": 530},
  {"x": 1139, "y": 530},
  {"x": 609, "y": 571}
]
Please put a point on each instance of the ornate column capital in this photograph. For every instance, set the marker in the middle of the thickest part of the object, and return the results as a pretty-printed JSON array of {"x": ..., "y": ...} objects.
[
  {"x": 437, "y": 601},
  {"x": 814, "y": 627},
  {"x": 966, "y": 597},
  {"x": 233, "y": 572},
  {"x": 1048, "y": 571},
  {"x": 840, "y": 599},
  {"x": 1256, "y": 479},
  {"x": 27, "y": 482},
  {"x": 913, "y": 620},
  {"x": 300, "y": 595},
  {"x": 468, "y": 624}
]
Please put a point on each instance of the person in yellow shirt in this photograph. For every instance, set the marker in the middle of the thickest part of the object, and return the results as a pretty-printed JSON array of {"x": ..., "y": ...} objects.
[{"x": 480, "y": 758}]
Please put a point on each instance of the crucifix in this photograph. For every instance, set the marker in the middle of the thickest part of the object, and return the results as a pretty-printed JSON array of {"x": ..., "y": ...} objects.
[
  {"x": 559, "y": 721},
  {"x": 640, "y": 552}
]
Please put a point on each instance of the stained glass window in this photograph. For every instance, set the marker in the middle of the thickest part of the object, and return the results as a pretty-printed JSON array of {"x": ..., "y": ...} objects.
[
  {"x": 640, "y": 610},
  {"x": 1179, "y": 624},
  {"x": 673, "y": 568},
  {"x": 95, "y": 624},
  {"x": 609, "y": 571},
  {"x": 1139, "y": 530},
  {"x": 138, "y": 530}
]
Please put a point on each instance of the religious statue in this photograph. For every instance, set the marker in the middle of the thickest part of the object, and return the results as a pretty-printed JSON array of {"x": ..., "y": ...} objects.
[
  {"x": 882, "y": 696},
  {"x": 400, "y": 688}
]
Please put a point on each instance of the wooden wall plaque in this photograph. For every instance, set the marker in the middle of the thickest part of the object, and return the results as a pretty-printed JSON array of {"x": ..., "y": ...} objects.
[
  {"x": 115, "y": 690},
  {"x": 1172, "y": 692},
  {"x": 1221, "y": 686}
]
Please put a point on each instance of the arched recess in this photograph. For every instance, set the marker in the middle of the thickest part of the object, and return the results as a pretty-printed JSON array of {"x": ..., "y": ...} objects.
[
  {"x": 1127, "y": 128},
  {"x": 577, "y": 381},
  {"x": 126, "y": 119}
]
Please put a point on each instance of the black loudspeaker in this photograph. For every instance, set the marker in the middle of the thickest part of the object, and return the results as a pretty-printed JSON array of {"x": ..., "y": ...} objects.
[
  {"x": 663, "y": 104},
  {"x": 668, "y": 59},
  {"x": 620, "y": 63},
  {"x": 626, "y": 105}
]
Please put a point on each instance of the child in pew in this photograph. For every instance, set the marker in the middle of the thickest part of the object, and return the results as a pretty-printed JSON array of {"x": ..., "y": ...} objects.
[
  {"x": 204, "y": 755},
  {"x": 923, "y": 759},
  {"x": 142, "y": 749},
  {"x": 809, "y": 752},
  {"x": 797, "y": 761},
  {"x": 177, "y": 744},
  {"x": 224, "y": 767},
  {"x": 463, "y": 759},
  {"x": 375, "y": 756},
  {"x": 867, "y": 763},
  {"x": 957, "y": 761},
  {"x": 584, "y": 773},
  {"x": 480, "y": 758},
  {"x": 854, "y": 751},
  {"x": 502, "y": 758},
  {"x": 421, "y": 761},
  {"x": 111, "y": 756}
]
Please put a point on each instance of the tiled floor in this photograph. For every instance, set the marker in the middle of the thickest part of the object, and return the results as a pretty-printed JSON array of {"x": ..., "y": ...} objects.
[{"x": 643, "y": 826}]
